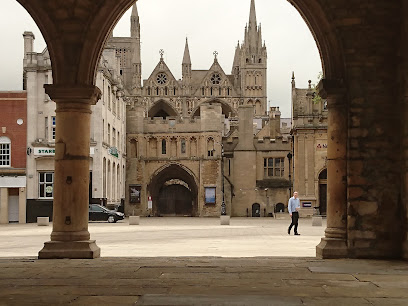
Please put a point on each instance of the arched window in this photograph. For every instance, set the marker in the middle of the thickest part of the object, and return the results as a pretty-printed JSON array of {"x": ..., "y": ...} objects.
[
  {"x": 164, "y": 144},
  {"x": 219, "y": 91},
  {"x": 202, "y": 91},
  {"x": 174, "y": 91},
  {"x": 211, "y": 91},
  {"x": 157, "y": 91},
  {"x": 210, "y": 147},
  {"x": 183, "y": 146},
  {"x": 148, "y": 91},
  {"x": 228, "y": 91},
  {"x": 5, "y": 151},
  {"x": 165, "y": 91}
]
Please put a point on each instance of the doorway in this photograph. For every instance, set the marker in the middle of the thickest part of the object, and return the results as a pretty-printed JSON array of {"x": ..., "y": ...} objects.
[
  {"x": 256, "y": 210},
  {"x": 13, "y": 209},
  {"x": 175, "y": 200}
]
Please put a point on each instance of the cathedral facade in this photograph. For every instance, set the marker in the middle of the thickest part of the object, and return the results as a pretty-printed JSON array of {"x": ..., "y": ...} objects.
[{"x": 205, "y": 139}]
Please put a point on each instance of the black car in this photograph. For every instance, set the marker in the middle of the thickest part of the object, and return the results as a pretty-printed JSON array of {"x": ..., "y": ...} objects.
[{"x": 100, "y": 213}]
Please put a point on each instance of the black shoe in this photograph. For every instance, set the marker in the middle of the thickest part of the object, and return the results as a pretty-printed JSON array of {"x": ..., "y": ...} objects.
[
  {"x": 288, "y": 231},
  {"x": 297, "y": 234}
]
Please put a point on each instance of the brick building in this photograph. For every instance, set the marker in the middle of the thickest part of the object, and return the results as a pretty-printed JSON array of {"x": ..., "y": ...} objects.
[{"x": 13, "y": 135}]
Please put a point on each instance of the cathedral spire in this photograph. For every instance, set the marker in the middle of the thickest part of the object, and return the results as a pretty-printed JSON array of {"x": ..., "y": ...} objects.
[
  {"x": 136, "y": 58},
  {"x": 186, "y": 67},
  {"x": 134, "y": 10},
  {"x": 237, "y": 56},
  {"x": 252, "y": 15},
  {"x": 186, "y": 56},
  {"x": 134, "y": 23}
]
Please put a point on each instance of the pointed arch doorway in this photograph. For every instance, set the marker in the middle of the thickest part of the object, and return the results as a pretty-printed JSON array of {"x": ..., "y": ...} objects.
[{"x": 174, "y": 191}]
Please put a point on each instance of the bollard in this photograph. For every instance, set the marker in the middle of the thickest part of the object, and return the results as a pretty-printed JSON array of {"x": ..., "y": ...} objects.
[
  {"x": 134, "y": 220},
  {"x": 43, "y": 221},
  {"x": 225, "y": 220}
]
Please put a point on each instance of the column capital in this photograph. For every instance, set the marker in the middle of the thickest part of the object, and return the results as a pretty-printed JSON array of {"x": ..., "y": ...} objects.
[
  {"x": 331, "y": 88},
  {"x": 87, "y": 94}
]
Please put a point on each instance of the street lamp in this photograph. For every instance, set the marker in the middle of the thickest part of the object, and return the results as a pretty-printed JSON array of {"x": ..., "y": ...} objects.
[
  {"x": 223, "y": 208},
  {"x": 289, "y": 156}
]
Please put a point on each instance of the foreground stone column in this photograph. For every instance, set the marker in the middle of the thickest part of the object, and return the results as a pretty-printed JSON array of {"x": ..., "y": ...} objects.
[
  {"x": 70, "y": 236},
  {"x": 334, "y": 244}
]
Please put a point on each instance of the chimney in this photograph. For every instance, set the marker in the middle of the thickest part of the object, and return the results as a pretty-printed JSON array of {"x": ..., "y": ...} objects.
[
  {"x": 274, "y": 122},
  {"x": 28, "y": 43}
]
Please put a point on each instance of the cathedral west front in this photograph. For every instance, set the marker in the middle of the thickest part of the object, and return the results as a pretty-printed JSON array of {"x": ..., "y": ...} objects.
[{"x": 205, "y": 139}]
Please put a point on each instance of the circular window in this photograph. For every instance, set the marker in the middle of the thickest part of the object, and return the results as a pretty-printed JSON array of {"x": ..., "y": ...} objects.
[
  {"x": 216, "y": 79},
  {"x": 20, "y": 121},
  {"x": 161, "y": 78}
]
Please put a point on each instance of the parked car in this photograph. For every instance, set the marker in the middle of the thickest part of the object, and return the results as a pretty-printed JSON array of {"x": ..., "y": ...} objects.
[{"x": 100, "y": 213}]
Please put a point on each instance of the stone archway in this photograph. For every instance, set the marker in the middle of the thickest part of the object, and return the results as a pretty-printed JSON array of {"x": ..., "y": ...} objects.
[
  {"x": 174, "y": 191},
  {"x": 75, "y": 34}
]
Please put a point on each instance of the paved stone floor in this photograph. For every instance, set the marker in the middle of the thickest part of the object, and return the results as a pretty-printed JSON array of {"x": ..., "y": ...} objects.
[
  {"x": 244, "y": 237},
  {"x": 184, "y": 279}
]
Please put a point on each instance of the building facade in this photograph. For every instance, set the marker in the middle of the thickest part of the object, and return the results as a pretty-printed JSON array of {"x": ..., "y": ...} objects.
[
  {"x": 13, "y": 123},
  {"x": 310, "y": 149},
  {"x": 207, "y": 138},
  {"x": 108, "y": 129}
]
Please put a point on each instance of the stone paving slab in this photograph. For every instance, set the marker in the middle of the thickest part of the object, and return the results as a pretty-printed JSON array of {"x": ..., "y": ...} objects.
[{"x": 201, "y": 281}]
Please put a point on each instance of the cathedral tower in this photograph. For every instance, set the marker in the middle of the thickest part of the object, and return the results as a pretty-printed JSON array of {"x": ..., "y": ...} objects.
[{"x": 252, "y": 67}]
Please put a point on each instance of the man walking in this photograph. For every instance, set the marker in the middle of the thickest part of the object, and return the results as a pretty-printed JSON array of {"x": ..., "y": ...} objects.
[{"x": 293, "y": 207}]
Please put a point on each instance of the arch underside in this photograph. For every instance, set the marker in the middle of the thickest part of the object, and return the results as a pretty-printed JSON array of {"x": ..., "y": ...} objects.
[{"x": 227, "y": 110}]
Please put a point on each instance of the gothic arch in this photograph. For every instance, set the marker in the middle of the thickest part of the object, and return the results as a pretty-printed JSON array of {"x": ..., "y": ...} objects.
[
  {"x": 162, "y": 109},
  {"x": 226, "y": 108}
]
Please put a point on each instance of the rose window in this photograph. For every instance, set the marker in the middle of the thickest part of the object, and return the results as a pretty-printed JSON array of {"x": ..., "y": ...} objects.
[
  {"x": 216, "y": 79},
  {"x": 161, "y": 78}
]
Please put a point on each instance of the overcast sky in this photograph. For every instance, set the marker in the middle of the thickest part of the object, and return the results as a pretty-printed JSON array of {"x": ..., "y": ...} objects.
[{"x": 210, "y": 25}]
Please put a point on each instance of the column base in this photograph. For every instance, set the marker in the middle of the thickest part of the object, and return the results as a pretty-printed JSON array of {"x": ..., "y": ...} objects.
[
  {"x": 332, "y": 248},
  {"x": 70, "y": 249}
]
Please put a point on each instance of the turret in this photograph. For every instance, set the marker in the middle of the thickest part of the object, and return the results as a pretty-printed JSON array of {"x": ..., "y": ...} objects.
[{"x": 235, "y": 66}]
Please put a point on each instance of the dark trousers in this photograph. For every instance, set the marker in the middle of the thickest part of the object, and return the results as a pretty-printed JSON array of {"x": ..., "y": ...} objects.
[{"x": 295, "y": 218}]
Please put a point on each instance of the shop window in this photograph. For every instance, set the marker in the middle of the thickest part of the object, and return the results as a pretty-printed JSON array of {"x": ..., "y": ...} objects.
[{"x": 46, "y": 184}]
